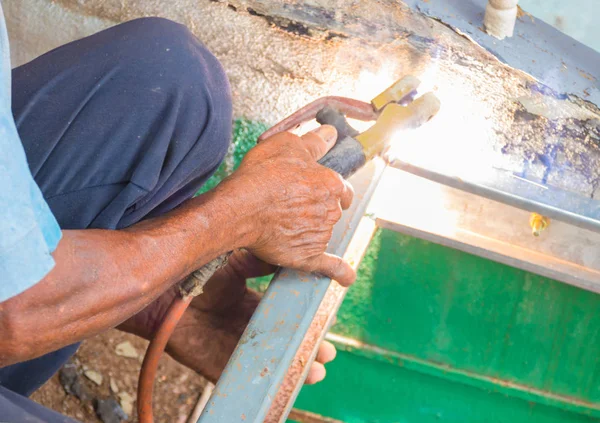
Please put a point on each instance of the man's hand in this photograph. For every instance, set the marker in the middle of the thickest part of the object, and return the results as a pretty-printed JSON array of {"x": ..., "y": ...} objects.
[
  {"x": 293, "y": 202},
  {"x": 213, "y": 324}
]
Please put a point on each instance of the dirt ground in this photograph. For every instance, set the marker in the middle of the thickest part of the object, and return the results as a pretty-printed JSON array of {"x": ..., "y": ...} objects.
[{"x": 177, "y": 388}]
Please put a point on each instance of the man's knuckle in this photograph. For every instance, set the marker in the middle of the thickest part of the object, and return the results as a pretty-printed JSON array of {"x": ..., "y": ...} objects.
[
  {"x": 320, "y": 193},
  {"x": 336, "y": 183},
  {"x": 349, "y": 191},
  {"x": 338, "y": 267},
  {"x": 336, "y": 214}
]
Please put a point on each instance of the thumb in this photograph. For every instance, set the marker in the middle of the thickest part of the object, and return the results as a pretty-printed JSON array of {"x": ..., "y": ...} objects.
[
  {"x": 333, "y": 267},
  {"x": 319, "y": 141}
]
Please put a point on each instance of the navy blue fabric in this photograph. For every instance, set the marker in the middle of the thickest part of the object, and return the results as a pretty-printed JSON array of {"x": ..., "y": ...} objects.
[
  {"x": 15, "y": 408},
  {"x": 117, "y": 127}
]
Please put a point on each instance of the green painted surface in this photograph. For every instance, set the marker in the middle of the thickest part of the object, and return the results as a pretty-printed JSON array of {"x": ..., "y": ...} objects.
[
  {"x": 245, "y": 134},
  {"x": 452, "y": 337},
  {"x": 446, "y": 330},
  {"x": 359, "y": 390}
]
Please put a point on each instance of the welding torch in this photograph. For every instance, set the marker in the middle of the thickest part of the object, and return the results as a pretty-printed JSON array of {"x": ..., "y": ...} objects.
[{"x": 394, "y": 110}]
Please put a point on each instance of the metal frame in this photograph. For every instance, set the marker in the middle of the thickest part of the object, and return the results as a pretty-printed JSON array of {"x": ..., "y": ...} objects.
[
  {"x": 497, "y": 231},
  {"x": 269, "y": 366},
  {"x": 513, "y": 190}
]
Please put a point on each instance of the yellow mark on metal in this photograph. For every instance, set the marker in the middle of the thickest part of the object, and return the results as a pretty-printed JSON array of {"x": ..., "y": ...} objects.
[{"x": 538, "y": 223}]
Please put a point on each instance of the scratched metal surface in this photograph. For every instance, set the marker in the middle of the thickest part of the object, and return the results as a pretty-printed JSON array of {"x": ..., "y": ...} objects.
[
  {"x": 263, "y": 356},
  {"x": 545, "y": 46}
]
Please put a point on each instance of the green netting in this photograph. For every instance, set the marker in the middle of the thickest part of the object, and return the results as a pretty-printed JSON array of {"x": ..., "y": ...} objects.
[{"x": 245, "y": 134}]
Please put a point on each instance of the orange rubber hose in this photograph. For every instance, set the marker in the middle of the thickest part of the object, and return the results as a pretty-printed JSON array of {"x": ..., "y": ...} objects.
[{"x": 153, "y": 354}]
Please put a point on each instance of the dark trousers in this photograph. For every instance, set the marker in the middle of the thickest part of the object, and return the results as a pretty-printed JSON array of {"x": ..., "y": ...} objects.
[{"x": 117, "y": 127}]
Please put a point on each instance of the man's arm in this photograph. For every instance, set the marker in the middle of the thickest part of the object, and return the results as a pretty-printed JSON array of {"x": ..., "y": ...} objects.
[
  {"x": 280, "y": 204},
  {"x": 102, "y": 277}
]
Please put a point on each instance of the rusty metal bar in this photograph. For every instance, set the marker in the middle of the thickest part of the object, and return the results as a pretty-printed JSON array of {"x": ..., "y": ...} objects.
[
  {"x": 302, "y": 416},
  {"x": 265, "y": 354},
  {"x": 297, "y": 373}
]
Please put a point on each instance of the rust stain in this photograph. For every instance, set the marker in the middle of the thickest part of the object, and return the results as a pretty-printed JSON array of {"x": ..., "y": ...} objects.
[
  {"x": 586, "y": 75},
  {"x": 521, "y": 13},
  {"x": 264, "y": 372},
  {"x": 302, "y": 416},
  {"x": 301, "y": 360},
  {"x": 267, "y": 310}
]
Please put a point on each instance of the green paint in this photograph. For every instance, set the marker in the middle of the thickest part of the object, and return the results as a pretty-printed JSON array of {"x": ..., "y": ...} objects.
[
  {"x": 478, "y": 380},
  {"x": 245, "y": 134},
  {"x": 360, "y": 390},
  {"x": 448, "y": 329}
]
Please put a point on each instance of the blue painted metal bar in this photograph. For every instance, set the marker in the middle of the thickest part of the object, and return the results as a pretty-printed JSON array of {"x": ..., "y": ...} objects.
[
  {"x": 263, "y": 356},
  {"x": 557, "y": 60}
]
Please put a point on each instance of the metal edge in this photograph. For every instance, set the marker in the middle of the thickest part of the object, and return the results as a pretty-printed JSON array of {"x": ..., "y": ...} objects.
[
  {"x": 548, "y": 201},
  {"x": 294, "y": 380}
]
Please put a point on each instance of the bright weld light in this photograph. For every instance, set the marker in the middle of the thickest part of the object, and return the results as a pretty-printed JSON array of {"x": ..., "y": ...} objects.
[
  {"x": 367, "y": 86},
  {"x": 457, "y": 140},
  {"x": 416, "y": 202}
]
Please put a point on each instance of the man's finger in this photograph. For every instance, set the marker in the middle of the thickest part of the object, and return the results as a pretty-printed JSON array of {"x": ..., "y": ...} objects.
[
  {"x": 315, "y": 374},
  {"x": 326, "y": 353},
  {"x": 319, "y": 141},
  {"x": 248, "y": 265},
  {"x": 335, "y": 268},
  {"x": 347, "y": 195}
]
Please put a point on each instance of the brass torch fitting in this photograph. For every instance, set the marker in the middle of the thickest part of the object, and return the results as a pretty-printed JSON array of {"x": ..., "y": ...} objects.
[{"x": 538, "y": 223}]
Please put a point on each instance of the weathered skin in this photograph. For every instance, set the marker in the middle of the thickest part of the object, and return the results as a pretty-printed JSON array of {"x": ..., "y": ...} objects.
[{"x": 281, "y": 205}]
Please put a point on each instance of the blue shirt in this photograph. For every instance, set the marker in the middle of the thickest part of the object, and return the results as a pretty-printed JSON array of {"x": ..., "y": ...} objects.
[{"x": 29, "y": 232}]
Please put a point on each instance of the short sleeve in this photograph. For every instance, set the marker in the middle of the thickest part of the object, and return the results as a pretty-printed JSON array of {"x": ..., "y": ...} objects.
[{"x": 29, "y": 232}]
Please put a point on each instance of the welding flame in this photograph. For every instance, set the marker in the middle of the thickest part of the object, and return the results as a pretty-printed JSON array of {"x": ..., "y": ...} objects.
[
  {"x": 457, "y": 140},
  {"x": 369, "y": 84}
]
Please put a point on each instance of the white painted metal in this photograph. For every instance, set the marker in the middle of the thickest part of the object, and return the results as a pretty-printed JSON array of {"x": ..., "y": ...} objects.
[
  {"x": 500, "y": 17},
  {"x": 457, "y": 219}
]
